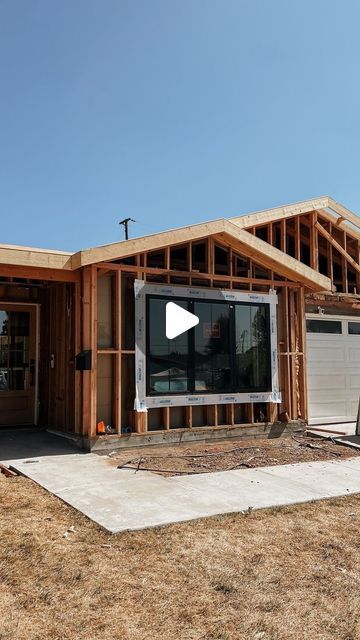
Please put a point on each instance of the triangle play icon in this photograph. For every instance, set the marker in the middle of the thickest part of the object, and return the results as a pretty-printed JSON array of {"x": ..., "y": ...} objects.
[{"x": 178, "y": 320}]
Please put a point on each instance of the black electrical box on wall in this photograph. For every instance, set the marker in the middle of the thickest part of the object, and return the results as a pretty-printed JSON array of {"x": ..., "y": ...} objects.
[{"x": 84, "y": 360}]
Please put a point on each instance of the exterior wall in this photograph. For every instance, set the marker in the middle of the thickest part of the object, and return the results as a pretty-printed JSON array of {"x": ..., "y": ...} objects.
[{"x": 108, "y": 390}]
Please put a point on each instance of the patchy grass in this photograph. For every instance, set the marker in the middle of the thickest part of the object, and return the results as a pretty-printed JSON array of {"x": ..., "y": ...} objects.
[
  {"x": 236, "y": 454},
  {"x": 280, "y": 574}
]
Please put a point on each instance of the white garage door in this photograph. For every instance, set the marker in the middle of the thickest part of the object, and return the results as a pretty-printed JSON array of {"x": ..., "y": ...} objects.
[{"x": 333, "y": 363}]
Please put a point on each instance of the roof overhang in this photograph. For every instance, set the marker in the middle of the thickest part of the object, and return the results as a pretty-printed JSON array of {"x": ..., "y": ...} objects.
[{"x": 31, "y": 257}]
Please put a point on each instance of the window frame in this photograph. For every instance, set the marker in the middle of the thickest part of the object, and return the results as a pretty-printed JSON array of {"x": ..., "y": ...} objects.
[
  {"x": 349, "y": 322},
  {"x": 143, "y": 293},
  {"x": 325, "y": 321}
]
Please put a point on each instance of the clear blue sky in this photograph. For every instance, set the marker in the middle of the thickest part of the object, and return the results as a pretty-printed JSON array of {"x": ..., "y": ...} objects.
[{"x": 172, "y": 112}]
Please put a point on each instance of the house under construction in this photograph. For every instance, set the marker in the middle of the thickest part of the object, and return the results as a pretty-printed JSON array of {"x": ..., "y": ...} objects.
[{"x": 277, "y": 294}]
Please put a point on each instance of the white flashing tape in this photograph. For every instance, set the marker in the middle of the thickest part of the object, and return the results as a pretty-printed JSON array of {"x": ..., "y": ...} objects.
[{"x": 142, "y": 401}]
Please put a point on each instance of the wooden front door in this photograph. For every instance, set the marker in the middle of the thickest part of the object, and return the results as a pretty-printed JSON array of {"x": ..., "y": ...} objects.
[{"x": 18, "y": 364}]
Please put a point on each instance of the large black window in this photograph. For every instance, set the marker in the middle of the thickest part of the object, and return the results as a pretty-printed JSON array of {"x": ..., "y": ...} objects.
[{"x": 228, "y": 351}]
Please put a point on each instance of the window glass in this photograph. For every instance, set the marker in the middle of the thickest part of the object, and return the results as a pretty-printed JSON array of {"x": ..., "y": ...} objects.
[
  {"x": 14, "y": 350},
  {"x": 252, "y": 347},
  {"x": 354, "y": 328},
  {"x": 212, "y": 347},
  {"x": 228, "y": 351},
  {"x": 167, "y": 359},
  {"x": 323, "y": 326}
]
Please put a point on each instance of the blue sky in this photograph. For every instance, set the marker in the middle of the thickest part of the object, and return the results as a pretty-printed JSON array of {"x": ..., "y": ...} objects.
[{"x": 171, "y": 112}]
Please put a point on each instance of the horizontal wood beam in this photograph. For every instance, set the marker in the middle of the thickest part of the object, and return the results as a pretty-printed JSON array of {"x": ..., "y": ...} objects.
[
  {"x": 31, "y": 257},
  {"x": 39, "y": 273},
  {"x": 108, "y": 266},
  {"x": 337, "y": 246}
]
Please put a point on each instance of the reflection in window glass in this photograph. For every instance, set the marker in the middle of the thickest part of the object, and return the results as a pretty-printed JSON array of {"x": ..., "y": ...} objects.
[
  {"x": 323, "y": 326},
  {"x": 228, "y": 351},
  {"x": 212, "y": 347},
  {"x": 354, "y": 328},
  {"x": 252, "y": 348},
  {"x": 167, "y": 359},
  {"x": 14, "y": 350}
]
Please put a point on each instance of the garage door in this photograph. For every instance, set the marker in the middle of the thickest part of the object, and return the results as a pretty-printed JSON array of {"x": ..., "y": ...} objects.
[{"x": 333, "y": 362}]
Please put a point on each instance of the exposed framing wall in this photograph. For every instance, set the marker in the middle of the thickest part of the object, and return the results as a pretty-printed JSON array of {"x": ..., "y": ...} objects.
[{"x": 235, "y": 273}]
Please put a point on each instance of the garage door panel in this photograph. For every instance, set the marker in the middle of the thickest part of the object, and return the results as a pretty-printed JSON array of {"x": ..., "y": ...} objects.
[
  {"x": 354, "y": 381},
  {"x": 353, "y": 354},
  {"x": 321, "y": 410},
  {"x": 326, "y": 354},
  {"x": 354, "y": 408},
  {"x": 318, "y": 382}
]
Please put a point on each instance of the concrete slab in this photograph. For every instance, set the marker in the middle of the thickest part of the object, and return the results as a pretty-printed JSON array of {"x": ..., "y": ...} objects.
[
  {"x": 120, "y": 499},
  {"x": 32, "y": 443},
  {"x": 332, "y": 430},
  {"x": 332, "y": 478},
  {"x": 350, "y": 441}
]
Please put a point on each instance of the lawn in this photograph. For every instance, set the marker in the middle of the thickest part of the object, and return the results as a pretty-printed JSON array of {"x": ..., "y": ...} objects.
[{"x": 267, "y": 575}]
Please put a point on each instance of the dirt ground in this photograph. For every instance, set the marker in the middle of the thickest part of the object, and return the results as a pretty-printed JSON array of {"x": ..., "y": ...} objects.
[
  {"x": 281, "y": 574},
  {"x": 237, "y": 454}
]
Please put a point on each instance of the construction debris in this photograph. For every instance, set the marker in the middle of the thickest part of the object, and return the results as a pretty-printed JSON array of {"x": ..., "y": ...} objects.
[
  {"x": 8, "y": 473},
  {"x": 199, "y": 458}
]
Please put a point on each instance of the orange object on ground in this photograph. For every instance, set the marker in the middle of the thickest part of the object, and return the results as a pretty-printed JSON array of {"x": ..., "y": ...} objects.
[{"x": 101, "y": 427}]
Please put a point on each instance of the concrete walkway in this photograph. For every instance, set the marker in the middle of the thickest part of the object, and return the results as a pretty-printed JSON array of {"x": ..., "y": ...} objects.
[{"x": 120, "y": 500}]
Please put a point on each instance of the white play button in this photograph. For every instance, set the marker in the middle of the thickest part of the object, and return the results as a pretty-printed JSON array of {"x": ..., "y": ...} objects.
[{"x": 178, "y": 320}]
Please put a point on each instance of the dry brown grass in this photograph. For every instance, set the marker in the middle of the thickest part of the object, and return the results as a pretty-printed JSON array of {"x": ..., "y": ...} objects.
[{"x": 280, "y": 574}]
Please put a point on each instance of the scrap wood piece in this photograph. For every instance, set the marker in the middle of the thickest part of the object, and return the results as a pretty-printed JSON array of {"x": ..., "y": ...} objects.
[
  {"x": 8, "y": 473},
  {"x": 244, "y": 463},
  {"x": 164, "y": 470},
  {"x": 310, "y": 445},
  {"x": 212, "y": 453}
]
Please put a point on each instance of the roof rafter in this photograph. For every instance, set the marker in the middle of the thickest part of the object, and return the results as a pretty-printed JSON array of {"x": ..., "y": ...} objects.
[
  {"x": 337, "y": 246},
  {"x": 275, "y": 259},
  {"x": 279, "y": 213}
]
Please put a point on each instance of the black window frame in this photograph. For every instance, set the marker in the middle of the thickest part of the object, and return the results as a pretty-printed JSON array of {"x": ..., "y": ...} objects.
[
  {"x": 324, "y": 322},
  {"x": 191, "y": 347}
]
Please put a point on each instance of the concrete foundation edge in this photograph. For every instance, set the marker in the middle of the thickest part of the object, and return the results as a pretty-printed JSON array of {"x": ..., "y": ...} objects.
[{"x": 206, "y": 435}]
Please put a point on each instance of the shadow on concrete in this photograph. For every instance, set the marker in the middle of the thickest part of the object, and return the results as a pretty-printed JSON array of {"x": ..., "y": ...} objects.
[{"x": 31, "y": 442}]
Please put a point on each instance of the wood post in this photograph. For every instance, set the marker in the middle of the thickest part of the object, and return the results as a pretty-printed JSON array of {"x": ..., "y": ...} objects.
[{"x": 89, "y": 341}]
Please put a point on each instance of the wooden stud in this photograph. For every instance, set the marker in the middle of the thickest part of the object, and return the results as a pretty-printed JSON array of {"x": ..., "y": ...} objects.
[
  {"x": 337, "y": 246},
  {"x": 118, "y": 354},
  {"x": 166, "y": 418},
  {"x": 89, "y": 336}
]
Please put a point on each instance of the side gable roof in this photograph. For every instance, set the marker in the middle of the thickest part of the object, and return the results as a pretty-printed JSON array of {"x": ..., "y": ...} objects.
[
  {"x": 232, "y": 230},
  {"x": 227, "y": 230}
]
